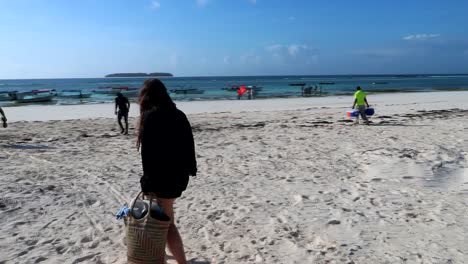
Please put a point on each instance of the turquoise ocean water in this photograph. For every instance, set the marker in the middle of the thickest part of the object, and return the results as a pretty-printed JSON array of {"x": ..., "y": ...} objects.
[{"x": 272, "y": 86}]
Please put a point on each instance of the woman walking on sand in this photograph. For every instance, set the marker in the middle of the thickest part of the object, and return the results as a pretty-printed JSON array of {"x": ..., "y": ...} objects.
[{"x": 168, "y": 154}]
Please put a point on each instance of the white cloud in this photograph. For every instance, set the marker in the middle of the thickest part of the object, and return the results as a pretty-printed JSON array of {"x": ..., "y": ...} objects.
[
  {"x": 294, "y": 49},
  {"x": 155, "y": 4},
  {"x": 274, "y": 47},
  {"x": 421, "y": 36},
  {"x": 297, "y": 54},
  {"x": 202, "y": 2}
]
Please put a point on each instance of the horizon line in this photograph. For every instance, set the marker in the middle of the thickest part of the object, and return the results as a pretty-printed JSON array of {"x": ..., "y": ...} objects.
[{"x": 210, "y": 76}]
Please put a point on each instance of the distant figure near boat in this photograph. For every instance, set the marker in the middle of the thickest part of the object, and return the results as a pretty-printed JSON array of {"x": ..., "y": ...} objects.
[
  {"x": 4, "y": 119},
  {"x": 310, "y": 90},
  {"x": 251, "y": 92},
  {"x": 122, "y": 107},
  {"x": 168, "y": 154},
  {"x": 241, "y": 90},
  {"x": 360, "y": 100}
]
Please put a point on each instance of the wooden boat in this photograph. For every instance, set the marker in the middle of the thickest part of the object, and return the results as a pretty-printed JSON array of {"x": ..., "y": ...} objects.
[
  {"x": 231, "y": 88},
  {"x": 8, "y": 95},
  {"x": 74, "y": 94},
  {"x": 309, "y": 90},
  {"x": 35, "y": 96},
  {"x": 255, "y": 88},
  {"x": 297, "y": 84},
  {"x": 234, "y": 88},
  {"x": 187, "y": 91},
  {"x": 109, "y": 90},
  {"x": 130, "y": 92}
]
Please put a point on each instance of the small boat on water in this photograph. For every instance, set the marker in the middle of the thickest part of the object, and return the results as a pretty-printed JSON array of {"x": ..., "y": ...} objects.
[
  {"x": 255, "y": 88},
  {"x": 35, "y": 96},
  {"x": 109, "y": 90},
  {"x": 309, "y": 90},
  {"x": 297, "y": 84},
  {"x": 231, "y": 88},
  {"x": 234, "y": 88},
  {"x": 74, "y": 94},
  {"x": 187, "y": 91},
  {"x": 8, "y": 95}
]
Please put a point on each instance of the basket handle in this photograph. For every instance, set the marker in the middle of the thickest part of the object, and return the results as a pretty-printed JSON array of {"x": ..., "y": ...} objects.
[
  {"x": 151, "y": 195},
  {"x": 134, "y": 201},
  {"x": 150, "y": 200}
]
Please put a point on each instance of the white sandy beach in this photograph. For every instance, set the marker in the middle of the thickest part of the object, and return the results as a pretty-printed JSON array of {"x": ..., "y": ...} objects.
[
  {"x": 280, "y": 181},
  {"x": 433, "y": 100}
]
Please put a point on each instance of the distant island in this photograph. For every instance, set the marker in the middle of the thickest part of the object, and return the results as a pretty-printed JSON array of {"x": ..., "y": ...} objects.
[{"x": 140, "y": 74}]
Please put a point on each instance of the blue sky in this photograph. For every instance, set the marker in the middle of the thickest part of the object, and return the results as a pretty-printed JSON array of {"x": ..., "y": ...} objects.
[{"x": 90, "y": 38}]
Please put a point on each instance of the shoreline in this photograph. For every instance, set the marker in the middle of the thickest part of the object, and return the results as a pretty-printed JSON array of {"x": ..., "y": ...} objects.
[{"x": 438, "y": 100}]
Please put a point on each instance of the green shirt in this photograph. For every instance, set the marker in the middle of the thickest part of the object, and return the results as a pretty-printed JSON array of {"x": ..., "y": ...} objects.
[{"x": 360, "y": 97}]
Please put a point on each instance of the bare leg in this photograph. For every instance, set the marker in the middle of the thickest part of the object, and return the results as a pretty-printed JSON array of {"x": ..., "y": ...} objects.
[
  {"x": 119, "y": 120},
  {"x": 174, "y": 241},
  {"x": 126, "y": 124},
  {"x": 362, "y": 112},
  {"x": 357, "y": 119}
]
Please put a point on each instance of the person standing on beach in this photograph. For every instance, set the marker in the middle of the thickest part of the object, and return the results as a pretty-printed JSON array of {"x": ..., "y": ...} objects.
[
  {"x": 241, "y": 90},
  {"x": 4, "y": 119},
  {"x": 360, "y": 101},
  {"x": 168, "y": 154},
  {"x": 122, "y": 107}
]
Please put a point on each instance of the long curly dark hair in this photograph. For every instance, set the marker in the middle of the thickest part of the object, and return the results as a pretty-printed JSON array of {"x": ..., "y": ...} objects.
[{"x": 152, "y": 96}]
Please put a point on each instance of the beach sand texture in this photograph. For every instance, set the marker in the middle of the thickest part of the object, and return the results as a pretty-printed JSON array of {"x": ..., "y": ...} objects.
[{"x": 285, "y": 186}]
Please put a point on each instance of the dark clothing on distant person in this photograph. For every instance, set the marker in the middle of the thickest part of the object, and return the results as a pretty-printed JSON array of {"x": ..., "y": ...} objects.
[
  {"x": 167, "y": 152},
  {"x": 122, "y": 103},
  {"x": 4, "y": 119}
]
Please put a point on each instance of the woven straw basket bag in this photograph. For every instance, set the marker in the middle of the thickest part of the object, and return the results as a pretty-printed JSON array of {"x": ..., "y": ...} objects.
[{"x": 146, "y": 237}]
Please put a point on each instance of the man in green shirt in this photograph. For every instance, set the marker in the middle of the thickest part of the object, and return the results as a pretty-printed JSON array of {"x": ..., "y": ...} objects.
[
  {"x": 4, "y": 119},
  {"x": 360, "y": 101}
]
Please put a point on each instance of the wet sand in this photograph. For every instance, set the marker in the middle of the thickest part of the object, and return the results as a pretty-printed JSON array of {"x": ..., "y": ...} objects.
[{"x": 285, "y": 186}]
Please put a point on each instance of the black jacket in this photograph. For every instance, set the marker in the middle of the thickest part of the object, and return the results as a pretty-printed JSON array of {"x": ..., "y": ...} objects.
[{"x": 167, "y": 149}]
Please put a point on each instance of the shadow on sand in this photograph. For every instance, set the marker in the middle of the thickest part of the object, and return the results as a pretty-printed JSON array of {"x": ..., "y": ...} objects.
[
  {"x": 25, "y": 146},
  {"x": 398, "y": 124},
  {"x": 191, "y": 261}
]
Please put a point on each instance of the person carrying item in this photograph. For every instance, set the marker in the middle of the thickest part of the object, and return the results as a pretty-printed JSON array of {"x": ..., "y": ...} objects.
[
  {"x": 122, "y": 107},
  {"x": 360, "y": 101},
  {"x": 168, "y": 154},
  {"x": 4, "y": 119}
]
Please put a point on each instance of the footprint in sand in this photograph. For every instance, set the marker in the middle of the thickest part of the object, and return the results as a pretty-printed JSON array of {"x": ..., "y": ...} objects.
[{"x": 40, "y": 259}]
